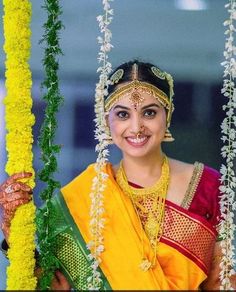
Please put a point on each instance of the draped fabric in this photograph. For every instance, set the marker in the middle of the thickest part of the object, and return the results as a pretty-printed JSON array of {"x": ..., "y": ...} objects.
[{"x": 185, "y": 249}]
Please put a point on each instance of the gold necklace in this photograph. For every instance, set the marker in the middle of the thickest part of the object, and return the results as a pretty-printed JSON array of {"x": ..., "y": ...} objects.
[{"x": 149, "y": 204}]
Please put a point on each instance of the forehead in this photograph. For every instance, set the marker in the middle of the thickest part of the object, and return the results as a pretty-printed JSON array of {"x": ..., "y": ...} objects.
[{"x": 146, "y": 100}]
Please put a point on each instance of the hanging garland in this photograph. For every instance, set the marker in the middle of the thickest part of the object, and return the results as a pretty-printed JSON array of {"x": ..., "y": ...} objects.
[
  {"x": 228, "y": 152},
  {"x": 19, "y": 122},
  {"x": 53, "y": 98},
  {"x": 97, "y": 209}
]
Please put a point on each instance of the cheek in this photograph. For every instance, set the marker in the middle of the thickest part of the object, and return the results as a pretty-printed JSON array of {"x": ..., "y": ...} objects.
[
  {"x": 115, "y": 126},
  {"x": 159, "y": 126}
]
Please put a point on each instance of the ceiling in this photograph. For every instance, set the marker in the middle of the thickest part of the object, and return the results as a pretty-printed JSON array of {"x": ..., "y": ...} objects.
[{"x": 188, "y": 44}]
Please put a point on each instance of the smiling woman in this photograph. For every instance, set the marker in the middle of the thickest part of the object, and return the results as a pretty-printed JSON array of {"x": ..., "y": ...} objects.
[{"x": 159, "y": 213}]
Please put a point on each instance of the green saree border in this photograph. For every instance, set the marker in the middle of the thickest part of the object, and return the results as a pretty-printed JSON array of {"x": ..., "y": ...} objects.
[{"x": 60, "y": 202}]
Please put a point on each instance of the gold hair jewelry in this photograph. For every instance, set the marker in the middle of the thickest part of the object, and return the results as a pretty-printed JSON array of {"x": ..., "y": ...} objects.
[
  {"x": 136, "y": 97},
  {"x": 149, "y": 205},
  {"x": 158, "y": 73},
  {"x": 117, "y": 76},
  {"x": 129, "y": 88},
  {"x": 135, "y": 72}
]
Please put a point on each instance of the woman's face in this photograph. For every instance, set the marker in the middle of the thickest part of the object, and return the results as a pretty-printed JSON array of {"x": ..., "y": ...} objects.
[{"x": 138, "y": 131}]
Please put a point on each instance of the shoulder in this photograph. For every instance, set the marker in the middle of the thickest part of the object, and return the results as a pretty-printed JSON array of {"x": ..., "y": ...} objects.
[
  {"x": 179, "y": 166},
  {"x": 207, "y": 195},
  {"x": 84, "y": 180},
  {"x": 181, "y": 171},
  {"x": 77, "y": 190},
  {"x": 188, "y": 170},
  {"x": 211, "y": 174},
  {"x": 87, "y": 172},
  {"x": 180, "y": 176}
]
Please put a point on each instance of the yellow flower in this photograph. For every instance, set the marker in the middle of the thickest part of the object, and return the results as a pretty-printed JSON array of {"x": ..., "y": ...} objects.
[{"x": 19, "y": 139}]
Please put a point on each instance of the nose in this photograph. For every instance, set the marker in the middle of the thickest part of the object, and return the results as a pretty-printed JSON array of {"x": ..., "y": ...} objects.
[{"x": 135, "y": 123}]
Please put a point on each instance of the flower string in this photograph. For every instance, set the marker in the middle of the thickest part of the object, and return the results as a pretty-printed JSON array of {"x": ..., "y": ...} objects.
[
  {"x": 53, "y": 99},
  {"x": 228, "y": 152},
  {"x": 96, "y": 246},
  {"x": 19, "y": 139}
]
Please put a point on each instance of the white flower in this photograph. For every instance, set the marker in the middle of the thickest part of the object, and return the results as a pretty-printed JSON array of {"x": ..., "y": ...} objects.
[
  {"x": 99, "y": 182},
  {"x": 228, "y": 179}
]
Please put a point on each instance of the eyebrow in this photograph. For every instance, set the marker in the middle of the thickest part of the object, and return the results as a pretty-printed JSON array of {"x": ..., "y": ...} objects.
[
  {"x": 150, "y": 105},
  {"x": 121, "y": 106},
  {"x": 144, "y": 107}
]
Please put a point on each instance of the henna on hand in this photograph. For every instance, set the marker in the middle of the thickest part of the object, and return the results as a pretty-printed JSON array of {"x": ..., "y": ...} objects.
[{"x": 13, "y": 193}]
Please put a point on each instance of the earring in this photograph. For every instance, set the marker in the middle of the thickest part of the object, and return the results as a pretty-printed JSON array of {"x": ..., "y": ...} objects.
[
  {"x": 168, "y": 137},
  {"x": 108, "y": 138}
]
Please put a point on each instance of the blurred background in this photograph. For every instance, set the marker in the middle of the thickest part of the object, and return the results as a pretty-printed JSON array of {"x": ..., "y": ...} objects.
[{"x": 183, "y": 37}]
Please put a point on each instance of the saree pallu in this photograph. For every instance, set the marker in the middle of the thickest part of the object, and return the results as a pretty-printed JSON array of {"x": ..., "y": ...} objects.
[{"x": 184, "y": 252}]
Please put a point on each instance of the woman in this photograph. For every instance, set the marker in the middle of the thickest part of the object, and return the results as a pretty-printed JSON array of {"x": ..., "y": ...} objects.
[{"x": 160, "y": 214}]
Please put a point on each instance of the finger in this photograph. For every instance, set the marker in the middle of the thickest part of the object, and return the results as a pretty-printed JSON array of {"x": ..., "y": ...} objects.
[
  {"x": 15, "y": 177},
  {"x": 60, "y": 276},
  {"x": 9, "y": 197},
  {"x": 12, "y": 206},
  {"x": 17, "y": 186},
  {"x": 55, "y": 284},
  {"x": 62, "y": 281},
  {"x": 19, "y": 176},
  {"x": 16, "y": 196}
]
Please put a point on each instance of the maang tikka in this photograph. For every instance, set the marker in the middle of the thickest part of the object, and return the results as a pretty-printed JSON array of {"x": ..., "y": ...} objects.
[{"x": 136, "y": 98}]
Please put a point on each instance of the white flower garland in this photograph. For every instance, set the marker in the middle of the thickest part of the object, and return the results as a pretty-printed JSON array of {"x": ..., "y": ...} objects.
[
  {"x": 228, "y": 152},
  {"x": 96, "y": 246}
]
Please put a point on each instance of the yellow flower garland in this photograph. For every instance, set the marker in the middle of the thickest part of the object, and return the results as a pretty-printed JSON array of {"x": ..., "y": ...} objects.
[{"x": 19, "y": 122}]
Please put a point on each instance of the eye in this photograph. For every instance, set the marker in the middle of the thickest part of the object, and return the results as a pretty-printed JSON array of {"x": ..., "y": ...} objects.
[
  {"x": 149, "y": 113},
  {"x": 122, "y": 115}
]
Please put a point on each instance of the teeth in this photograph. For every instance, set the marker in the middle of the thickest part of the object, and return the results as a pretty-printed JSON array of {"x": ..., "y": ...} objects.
[{"x": 137, "y": 140}]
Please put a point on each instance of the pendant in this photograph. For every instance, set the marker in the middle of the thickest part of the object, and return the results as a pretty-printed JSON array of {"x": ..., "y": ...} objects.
[{"x": 145, "y": 265}]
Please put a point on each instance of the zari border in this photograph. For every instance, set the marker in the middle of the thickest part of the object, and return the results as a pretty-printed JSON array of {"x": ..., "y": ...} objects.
[
  {"x": 182, "y": 231},
  {"x": 197, "y": 174},
  {"x": 76, "y": 232}
]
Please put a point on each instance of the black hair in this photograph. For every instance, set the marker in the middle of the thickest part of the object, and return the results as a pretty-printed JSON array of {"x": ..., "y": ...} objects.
[{"x": 145, "y": 74}]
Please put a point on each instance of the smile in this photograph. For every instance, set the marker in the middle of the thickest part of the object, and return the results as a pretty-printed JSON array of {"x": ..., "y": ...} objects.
[{"x": 137, "y": 141}]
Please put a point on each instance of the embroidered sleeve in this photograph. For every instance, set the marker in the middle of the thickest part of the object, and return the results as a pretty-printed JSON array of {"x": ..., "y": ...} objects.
[{"x": 192, "y": 187}]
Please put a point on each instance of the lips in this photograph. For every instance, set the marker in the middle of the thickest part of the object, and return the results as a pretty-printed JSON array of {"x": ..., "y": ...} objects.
[{"x": 137, "y": 142}]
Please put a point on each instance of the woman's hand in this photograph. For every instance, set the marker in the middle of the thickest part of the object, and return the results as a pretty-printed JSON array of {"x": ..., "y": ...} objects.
[
  {"x": 59, "y": 282},
  {"x": 13, "y": 194}
]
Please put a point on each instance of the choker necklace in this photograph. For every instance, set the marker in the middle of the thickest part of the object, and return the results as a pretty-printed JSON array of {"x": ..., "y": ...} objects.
[{"x": 149, "y": 205}]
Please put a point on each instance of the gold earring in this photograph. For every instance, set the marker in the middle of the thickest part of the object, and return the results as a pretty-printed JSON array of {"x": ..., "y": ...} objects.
[
  {"x": 108, "y": 135},
  {"x": 168, "y": 137}
]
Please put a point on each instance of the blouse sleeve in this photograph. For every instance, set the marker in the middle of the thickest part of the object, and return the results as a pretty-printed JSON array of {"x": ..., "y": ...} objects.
[{"x": 206, "y": 199}]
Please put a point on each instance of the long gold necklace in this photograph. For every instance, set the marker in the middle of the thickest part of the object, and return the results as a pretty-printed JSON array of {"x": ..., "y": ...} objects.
[{"x": 149, "y": 204}]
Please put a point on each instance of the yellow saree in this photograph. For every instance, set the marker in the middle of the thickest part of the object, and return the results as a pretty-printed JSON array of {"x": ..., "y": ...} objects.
[{"x": 184, "y": 251}]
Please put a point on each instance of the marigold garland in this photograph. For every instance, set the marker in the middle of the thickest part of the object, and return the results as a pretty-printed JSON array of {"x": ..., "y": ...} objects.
[
  {"x": 19, "y": 122},
  {"x": 53, "y": 98},
  {"x": 228, "y": 151}
]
